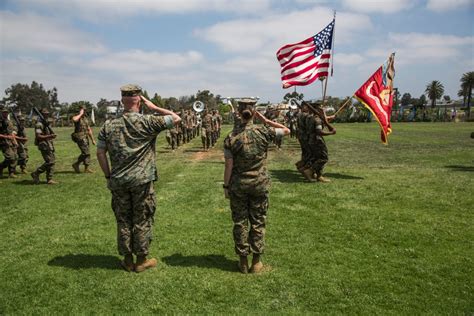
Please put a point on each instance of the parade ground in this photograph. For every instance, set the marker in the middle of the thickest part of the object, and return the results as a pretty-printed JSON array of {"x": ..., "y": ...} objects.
[{"x": 391, "y": 234}]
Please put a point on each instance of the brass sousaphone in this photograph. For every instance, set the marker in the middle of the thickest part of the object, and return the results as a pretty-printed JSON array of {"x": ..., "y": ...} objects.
[
  {"x": 293, "y": 103},
  {"x": 198, "y": 106}
]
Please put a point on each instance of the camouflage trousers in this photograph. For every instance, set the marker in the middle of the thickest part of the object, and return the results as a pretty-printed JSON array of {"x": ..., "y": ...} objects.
[
  {"x": 134, "y": 210},
  {"x": 248, "y": 208},
  {"x": 189, "y": 134},
  {"x": 22, "y": 155},
  {"x": 85, "y": 156},
  {"x": 305, "y": 151},
  {"x": 319, "y": 156},
  {"x": 48, "y": 165},
  {"x": 11, "y": 157},
  {"x": 173, "y": 140},
  {"x": 206, "y": 137}
]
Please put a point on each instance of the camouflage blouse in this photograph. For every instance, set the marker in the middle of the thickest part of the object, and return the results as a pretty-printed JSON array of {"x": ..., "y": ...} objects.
[
  {"x": 130, "y": 142},
  {"x": 248, "y": 147}
]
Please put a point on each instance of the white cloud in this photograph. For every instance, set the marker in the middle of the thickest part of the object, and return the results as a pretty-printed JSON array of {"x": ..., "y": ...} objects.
[
  {"x": 97, "y": 9},
  {"x": 348, "y": 59},
  {"x": 444, "y": 5},
  {"x": 141, "y": 61},
  {"x": 276, "y": 30},
  {"x": 382, "y": 6},
  {"x": 412, "y": 48},
  {"x": 30, "y": 32}
]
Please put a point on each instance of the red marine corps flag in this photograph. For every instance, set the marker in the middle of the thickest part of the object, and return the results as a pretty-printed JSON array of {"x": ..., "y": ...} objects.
[{"x": 377, "y": 95}]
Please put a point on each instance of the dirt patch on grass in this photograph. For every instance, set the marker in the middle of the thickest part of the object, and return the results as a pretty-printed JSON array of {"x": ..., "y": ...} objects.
[{"x": 212, "y": 154}]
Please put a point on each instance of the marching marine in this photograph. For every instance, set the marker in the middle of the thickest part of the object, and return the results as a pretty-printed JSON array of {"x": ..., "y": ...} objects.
[
  {"x": 44, "y": 140},
  {"x": 8, "y": 144}
]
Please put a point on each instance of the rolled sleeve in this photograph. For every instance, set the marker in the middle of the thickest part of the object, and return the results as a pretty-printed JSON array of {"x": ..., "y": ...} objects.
[
  {"x": 279, "y": 132},
  {"x": 228, "y": 154},
  {"x": 169, "y": 121}
]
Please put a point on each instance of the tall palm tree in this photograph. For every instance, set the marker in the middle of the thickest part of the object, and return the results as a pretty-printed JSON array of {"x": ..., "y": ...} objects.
[
  {"x": 434, "y": 90},
  {"x": 467, "y": 83}
]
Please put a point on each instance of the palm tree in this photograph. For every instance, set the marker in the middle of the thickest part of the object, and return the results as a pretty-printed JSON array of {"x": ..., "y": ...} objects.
[
  {"x": 434, "y": 90},
  {"x": 467, "y": 83}
]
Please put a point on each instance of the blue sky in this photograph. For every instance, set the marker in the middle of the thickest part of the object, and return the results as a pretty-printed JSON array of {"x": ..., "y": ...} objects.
[{"x": 89, "y": 48}]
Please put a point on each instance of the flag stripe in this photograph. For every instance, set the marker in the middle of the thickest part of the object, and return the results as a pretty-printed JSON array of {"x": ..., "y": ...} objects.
[
  {"x": 296, "y": 54},
  {"x": 290, "y": 47},
  {"x": 302, "y": 63},
  {"x": 310, "y": 62}
]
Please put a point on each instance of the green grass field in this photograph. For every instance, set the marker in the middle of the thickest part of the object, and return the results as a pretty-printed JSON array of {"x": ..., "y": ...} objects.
[{"x": 392, "y": 234}]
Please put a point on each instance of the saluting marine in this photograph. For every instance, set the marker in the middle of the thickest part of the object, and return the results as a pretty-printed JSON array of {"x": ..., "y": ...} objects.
[
  {"x": 81, "y": 135},
  {"x": 246, "y": 182},
  {"x": 130, "y": 143}
]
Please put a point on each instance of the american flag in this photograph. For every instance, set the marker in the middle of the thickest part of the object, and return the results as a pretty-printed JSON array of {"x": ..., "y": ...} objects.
[{"x": 304, "y": 62}]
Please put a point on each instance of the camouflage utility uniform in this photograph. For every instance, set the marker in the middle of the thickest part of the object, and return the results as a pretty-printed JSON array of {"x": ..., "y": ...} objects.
[
  {"x": 22, "y": 148},
  {"x": 81, "y": 138},
  {"x": 130, "y": 142},
  {"x": 46, "y": 147},
  {"x": 9, "y": 147},
  {"x": 317, "y": 146},
  {"x": 206, "y": 133},
  {"x": 303, "y": 136},
  {"x": 249, "y": 184}
]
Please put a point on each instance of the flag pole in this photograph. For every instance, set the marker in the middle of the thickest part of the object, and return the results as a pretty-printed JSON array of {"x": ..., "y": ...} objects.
[
  {"x": 332, "y": 56},
  {"x": 343, "y": 106}
]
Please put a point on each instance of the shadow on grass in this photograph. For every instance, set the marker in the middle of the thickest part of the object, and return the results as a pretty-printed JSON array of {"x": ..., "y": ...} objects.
[
  {"x": 460, "y": 168},
  {"x": 68, "y": 172},
  {"x": 286, "y": 175},
  {"x": 26, "y": 182},
  {"x": 342, "y": 176},
  {"x": 204, "y": 261},
  {"x": 193, "y": 150},
  {"x": 84, "y": 261}
]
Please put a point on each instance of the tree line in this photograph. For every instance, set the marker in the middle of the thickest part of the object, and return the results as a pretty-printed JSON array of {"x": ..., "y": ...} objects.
[{"x": 25, "y": 97}]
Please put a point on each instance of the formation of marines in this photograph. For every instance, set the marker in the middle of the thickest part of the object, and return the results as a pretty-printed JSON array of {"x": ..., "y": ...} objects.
[
  {"x": 193, "y": 124},
  {"x": 126, "y": 155}
]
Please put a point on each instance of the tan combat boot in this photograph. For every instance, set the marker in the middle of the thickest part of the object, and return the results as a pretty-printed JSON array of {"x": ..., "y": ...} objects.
[
  {"x": 143, "y": 263},
  {"x": 51, "y": 181},
  {"x": 127, "y": 263},
  {"x": 12, "y": 175},
  {"x": 87, "y": 170},
  {"x": 243, "y": 265},
  {"x": 75, "y": 166},
  {"x": 23, "y": 170},
  {"x": 257, "y": 265},
  {"x": 322, "y": 179},
  {"x": 308, "y": 175}
]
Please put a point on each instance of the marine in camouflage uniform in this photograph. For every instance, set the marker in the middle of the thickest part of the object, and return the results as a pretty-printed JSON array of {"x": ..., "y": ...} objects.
[
  {"x": 214, "y": 128},
  {"x": 246, "y": 182},
  {"x": 8, "y": 144},
  {"x": 44, "y": 140},
  {"x": 130, "y": 142},
  {"x": 189, "y": 126},
  {"x": 318, "y": 156},
  {"x": 206, "y": 131},
  {"x": 81, "y": 135},
  {"x": 22, "y": 148},
  {"x": 303, "y": 138}
]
